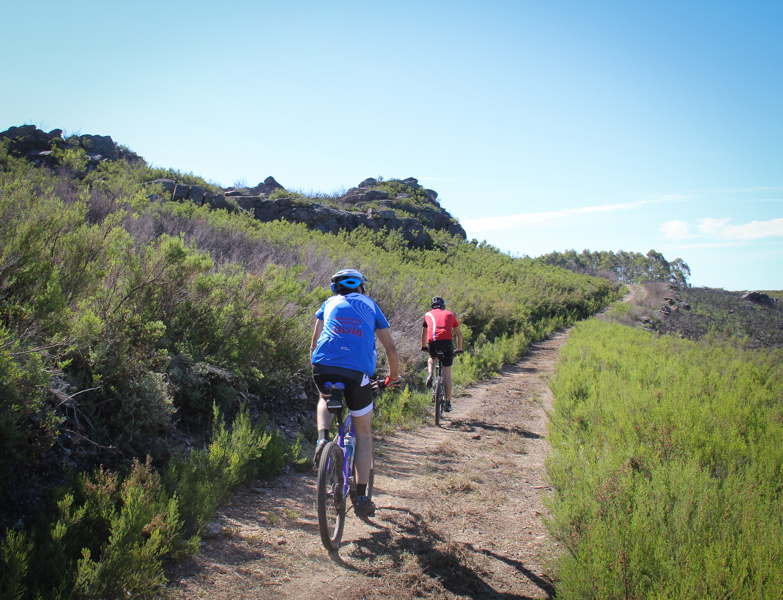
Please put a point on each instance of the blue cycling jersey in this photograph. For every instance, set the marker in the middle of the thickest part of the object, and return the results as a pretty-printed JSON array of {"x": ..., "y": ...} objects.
[{"x": 348, "y": 336}]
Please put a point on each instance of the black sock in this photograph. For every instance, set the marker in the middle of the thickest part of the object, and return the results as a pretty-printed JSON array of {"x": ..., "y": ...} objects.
[
  {"x": 361, "y": 489},
  {"x": 323, "y": 434}
]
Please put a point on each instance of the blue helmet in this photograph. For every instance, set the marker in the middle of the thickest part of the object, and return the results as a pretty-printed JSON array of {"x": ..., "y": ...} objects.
[{"x": 347, "y": 280}]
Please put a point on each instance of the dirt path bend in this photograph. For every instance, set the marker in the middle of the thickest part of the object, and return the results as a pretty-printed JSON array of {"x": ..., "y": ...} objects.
[{"x": 459, "y": 512}]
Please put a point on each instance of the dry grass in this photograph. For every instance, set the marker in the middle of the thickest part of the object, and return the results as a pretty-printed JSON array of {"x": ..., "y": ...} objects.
[
  {"x": 446, "y": 448},
  {"x": 512, "y": 441}
]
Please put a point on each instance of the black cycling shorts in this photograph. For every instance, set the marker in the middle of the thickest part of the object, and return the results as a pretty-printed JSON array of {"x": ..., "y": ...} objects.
[
  {"x": 358, "y": 388},
  {"x": 448, "y": 350}
]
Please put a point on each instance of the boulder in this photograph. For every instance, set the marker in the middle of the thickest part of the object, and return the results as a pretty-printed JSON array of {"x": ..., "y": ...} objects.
[
  {"x": 218, "y": 201},
  {"x": 377, "y": 195},
  {"x": 180, "y": 191},
  {"x": 758, "y": 298},
  {"x": 268, "y": 186},
  {"x": 167, "y": 184},
  {"x": 100, "y": 144},
  {"x": 196, "y": 194},
  {"x": 27, "y": 138}
]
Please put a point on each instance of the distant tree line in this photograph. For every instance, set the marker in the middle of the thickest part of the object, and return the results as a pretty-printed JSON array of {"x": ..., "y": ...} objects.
[{"x": 627, "y": 267}]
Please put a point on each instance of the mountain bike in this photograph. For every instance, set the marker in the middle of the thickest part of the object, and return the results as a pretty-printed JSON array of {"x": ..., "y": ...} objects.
[
  {"x": 438, "y": 386},
  {"x": 336, "y": 471}
]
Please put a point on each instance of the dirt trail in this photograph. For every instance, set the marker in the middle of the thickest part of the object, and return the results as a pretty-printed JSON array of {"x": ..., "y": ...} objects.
[{"x": 459, "y": 512}]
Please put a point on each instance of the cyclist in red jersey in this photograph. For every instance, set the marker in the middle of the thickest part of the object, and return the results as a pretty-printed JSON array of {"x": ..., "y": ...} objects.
[{"x": 439, "y": 329}]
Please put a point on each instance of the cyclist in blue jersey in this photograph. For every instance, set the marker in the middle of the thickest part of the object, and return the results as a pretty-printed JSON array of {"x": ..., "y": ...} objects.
[{"x": 343, "y": 350}]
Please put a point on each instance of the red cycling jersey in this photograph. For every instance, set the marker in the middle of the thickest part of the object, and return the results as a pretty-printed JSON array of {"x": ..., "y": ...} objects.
[{"x": 439, "y": 324}]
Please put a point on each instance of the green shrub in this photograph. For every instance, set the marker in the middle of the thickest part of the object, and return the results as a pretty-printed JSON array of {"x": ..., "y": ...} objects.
[
  {"x": 666, "y": 466},
  {"x": 120, "y": 316},
  {"x": 145, "y": 529},
  {"x": 203, "y": 479},
  {"x": 106, "y": 536},
  {"x": 14, "y": 563}
]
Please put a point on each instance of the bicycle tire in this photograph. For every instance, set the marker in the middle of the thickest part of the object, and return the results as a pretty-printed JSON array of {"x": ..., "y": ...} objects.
[
  {"x": 438, "y": 400},
  {"x": 329, "y": 498}
]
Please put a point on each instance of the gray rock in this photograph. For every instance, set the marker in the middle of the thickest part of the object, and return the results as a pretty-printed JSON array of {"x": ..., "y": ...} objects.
[
  {"x": 212, "y": 531},
  {"x": 267, "y": 187},
  {"x": 368, "y": 183},
  {"x": 248, "y": 203},
  {"x": 758, "y": 297},
  {"x": 377, "y": 195},
  {"x": 196, "y": 194},
  {"x": 167, "y": 184},
  {"x": 100, "y": 144},
  {"x": 219, "y": 201},
  {"x": 180, "y": 191}
]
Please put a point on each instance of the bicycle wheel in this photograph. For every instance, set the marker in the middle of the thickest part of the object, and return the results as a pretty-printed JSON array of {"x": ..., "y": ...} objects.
[
  {"x": 438, "y": 400},
  {"x": 330, "y": 499}
]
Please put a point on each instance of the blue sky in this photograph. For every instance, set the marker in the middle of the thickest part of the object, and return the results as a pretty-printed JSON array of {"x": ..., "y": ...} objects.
[{"x": 543, "y": 125}]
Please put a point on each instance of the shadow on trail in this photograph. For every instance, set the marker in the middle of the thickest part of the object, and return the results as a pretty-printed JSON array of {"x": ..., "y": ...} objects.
[
  {"x": 424, "y": 560},
  {"x": 474, "y": 424}
]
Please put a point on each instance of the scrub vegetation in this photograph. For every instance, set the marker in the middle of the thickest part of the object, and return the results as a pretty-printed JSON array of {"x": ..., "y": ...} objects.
[
  {"x": 666, "y": 466},
  {"x": 126, "y": 322}
]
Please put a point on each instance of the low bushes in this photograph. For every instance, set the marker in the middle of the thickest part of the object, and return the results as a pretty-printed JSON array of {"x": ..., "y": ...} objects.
[
  {"x": 107, "y": 534},
  {"x": 666, "y": 465}
]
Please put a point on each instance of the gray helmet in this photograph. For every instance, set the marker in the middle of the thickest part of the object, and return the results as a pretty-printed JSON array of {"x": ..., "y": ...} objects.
[
  {"x": 347, "y": 279},
  {"x": 437, "y": 302}
]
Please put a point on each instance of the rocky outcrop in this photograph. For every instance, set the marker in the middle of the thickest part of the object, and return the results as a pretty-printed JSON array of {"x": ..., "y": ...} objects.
[
  {"x": 411, "y": 222},
  {"x": 362, "y": 206},
  {"x": 37, "y": 146},
  {"x": 759, "y": 298},
  {"x": 412, "y": 210}
]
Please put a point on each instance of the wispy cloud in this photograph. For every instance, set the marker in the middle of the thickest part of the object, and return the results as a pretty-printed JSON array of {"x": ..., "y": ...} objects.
[
  {"x": 723, "y": 229},
  {"x": 749, "y": 231},
  {"x": 510, "y": 221},
  {"x": 675, "y": 230}
]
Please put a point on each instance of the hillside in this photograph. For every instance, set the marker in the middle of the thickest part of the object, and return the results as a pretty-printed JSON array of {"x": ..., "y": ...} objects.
[
  {"x": 753, "y": 318},
  {"x": 390, "y": 205},
  {"x": 154, "y": 333},
  {"x": 141, "y": 308}
]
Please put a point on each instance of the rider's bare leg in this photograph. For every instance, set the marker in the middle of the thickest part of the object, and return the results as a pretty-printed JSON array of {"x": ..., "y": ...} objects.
[
  {"x": 362, "y": 426},
  {"x": 323, "y": 416},
  {"x": 447, "y": 382}
]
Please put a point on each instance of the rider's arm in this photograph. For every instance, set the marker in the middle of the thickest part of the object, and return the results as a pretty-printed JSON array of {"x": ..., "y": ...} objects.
[
  {"x": 319, "y": 327},
  {"x": 391, "y": 352},
  {"x": 458, "y": 336},
  {"x": 424, "y": 336}
]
